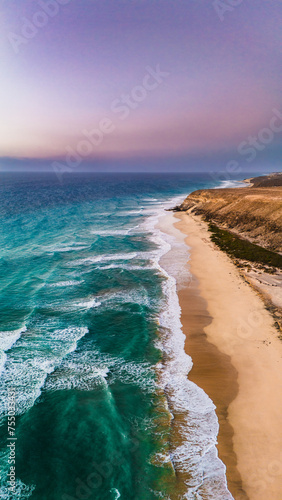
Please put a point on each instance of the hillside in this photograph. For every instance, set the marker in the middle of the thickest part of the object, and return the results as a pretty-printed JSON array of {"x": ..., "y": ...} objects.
[
  {"x": 254, "y": 213},
  {"x": 267, "y": 180}
]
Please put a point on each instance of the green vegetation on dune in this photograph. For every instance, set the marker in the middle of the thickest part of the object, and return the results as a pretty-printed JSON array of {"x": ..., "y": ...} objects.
[{"x": 242, "y": 249}]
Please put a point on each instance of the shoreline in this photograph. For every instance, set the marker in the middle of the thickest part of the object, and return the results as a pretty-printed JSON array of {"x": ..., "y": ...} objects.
[
  {"x": 237, "y": 361},
  {"x": 194, "y": 426}
]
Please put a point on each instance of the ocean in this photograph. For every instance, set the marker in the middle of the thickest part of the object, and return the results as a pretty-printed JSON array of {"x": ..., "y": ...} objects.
[{"x": 92, "y": 353}]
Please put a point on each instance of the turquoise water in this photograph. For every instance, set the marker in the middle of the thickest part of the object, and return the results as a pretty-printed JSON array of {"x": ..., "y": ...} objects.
[{"x": 85, "y": 335}]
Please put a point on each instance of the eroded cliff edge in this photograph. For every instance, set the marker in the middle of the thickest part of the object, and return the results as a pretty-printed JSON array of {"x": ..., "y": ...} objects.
[
  {"x": 253, "y": 213},
  {"x": 247, "y": 223}
]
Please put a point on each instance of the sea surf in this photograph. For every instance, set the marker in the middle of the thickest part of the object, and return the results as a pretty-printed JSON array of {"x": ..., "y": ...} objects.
[{"x": 92, "y": 344}]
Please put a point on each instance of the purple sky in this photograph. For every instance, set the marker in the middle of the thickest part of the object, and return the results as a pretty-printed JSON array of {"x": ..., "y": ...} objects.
[{"x": 90, "y": 69}]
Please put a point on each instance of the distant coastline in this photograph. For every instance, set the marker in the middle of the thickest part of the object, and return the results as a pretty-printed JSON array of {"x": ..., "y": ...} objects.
[
  {"x": 233, "y": 329},
  {"x": 269, "y": 180}
]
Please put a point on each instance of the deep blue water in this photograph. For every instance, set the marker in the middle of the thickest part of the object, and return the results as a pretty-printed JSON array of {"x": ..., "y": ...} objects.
[{"x": 82, "y": 294}]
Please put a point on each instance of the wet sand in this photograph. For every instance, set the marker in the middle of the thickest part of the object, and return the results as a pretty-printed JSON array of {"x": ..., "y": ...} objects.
[
  {"x": 237, "y": 361},
  {"x": 213, "y": 372}
]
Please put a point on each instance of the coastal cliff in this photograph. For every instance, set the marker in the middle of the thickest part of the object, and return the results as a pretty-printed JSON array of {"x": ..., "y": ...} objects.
[
  {"x": 253, "y": 213},
  {"x": 246, "y": 223}
]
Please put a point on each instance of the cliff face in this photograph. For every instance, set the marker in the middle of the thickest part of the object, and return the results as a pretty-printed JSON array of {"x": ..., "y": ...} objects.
[{"x": 254, "y": 213}]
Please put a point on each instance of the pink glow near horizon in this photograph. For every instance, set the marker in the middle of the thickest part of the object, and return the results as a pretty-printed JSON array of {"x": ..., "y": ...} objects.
[{"x": 90, "y": 63}]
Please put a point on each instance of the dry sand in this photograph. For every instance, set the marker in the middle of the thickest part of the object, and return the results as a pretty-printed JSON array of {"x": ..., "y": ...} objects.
[{"x": 237, "y": 358}]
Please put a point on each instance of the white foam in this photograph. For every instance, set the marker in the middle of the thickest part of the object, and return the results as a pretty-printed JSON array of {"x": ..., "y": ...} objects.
[
  {"x": 198, "y": 453},
  {"x": 81, "y": 371},
  {"x": 231, "y": 184},
  {"x": 116, "y": 493},
  {"x": 115, "y": 232},
  {"x": 87, "y": 369},
  {"x": 3, "y": 358},
  {"x": 126, "y": 267},
  {"x": 65, "y": 247},
  {"x": 89, "y": 304},
  {"x": 103, "y": 258},
  {"x": 112, "y": 232},
  {"x": 7, "y": 340},
  {"x": 136, "y": 296},
  {"x": 111, "y": 300},
  {"x": 62, "y": 284},
  {"x": 43, "y": 351}
]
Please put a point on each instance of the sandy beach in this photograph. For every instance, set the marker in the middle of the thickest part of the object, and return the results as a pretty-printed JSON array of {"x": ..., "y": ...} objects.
[{"x": 237, "y": 359}]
